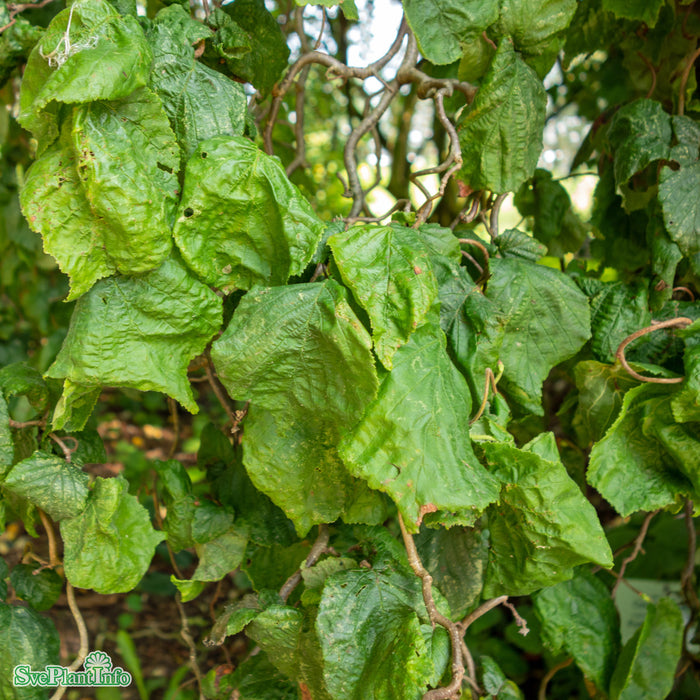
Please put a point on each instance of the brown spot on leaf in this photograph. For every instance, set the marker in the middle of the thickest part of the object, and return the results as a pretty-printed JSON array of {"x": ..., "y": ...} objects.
[{"x": 417, "y": 270}]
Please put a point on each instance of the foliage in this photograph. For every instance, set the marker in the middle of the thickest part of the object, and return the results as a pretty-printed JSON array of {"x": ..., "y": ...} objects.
[{"x": 407, "y": 418}]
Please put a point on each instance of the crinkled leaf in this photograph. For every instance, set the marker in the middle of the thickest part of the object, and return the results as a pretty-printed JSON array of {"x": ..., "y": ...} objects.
[
  {"x": 19, "y": 379},
  {"x": 52, "y": 484},
  {"x": 109, "y": 546},
  {"x": 75, "y": 406},
  {"x": 646, "y": 11},
  {"x": 277, "y": 631},
  {"x": 38, "y": 587},
  {"x": 254, "y": 679},
  {"x": 470, "y": 322},
  {"x": 516, "y": 244},
  {"x": 270, "y": 567},
  {"x": 601, "y": 389},
  {"x": 554, "y": 222},
  {"x": 221, "y": 555},
  {"x": 264, "y": 65},
  {"x": 7, "y": 446},
  {"x": 630, "y": 468},
  {"x": 413, "y": 440},
  {"x": 140, "y": 332},
  {"x": 128, "y": 162},
  {"x": 175, "y": 493},
  {"x": 29, "y": 639},
  {"x": 229, "y": 40},
  {"x": 442, "y": 28},
  {"x": 640, "y": 133},
  {"x": 617, "y": 310},
  {"x": 374, "y": 632},
  {"x": 389, "y": 271},
  {"x": 535, "y": 545},
  {"x": 501, "y": 131},
  {"x": 456, "y": 559},
  {"x": 678, "y": 189},
  {"x": 536, "y": 28},
  {"x": 230, "y": 484},
  {"x": 547, "y": 320},
  {"x": 188, "y": 590},
  {"x": 686, "y": 404},
  {"x": 580, "y": 618},
  {"x": 200, "y": 102},
  {"x": 647, "y": 665},
  {"x": 496, "y": 683},
  {"x": 302, "y": 358},
  {"x": 15, "y": 44},
  {"x": 269, "y": 231},
  {"x": 109, "y": 58}
]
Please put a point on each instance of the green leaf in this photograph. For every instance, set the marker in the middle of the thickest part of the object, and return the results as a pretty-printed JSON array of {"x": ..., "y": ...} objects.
[
  {"x": 38, "y": 587},
  {"x": 255, "y": 679},
  {"x": 200, "y": 102},
  {"x": 580, "y": 618},
  {"x": 221, "y": 555},
  {"x": 19, "y": 379},
  {"x": 640, "y": 133},
  {"x": 277, "y": 631},
  {"x": 412, "y": 441},
  {"x": 270, "y": 567},
  {"x": 686, "y": 404},
  {"x": 7, "y": 446},
  {"x": 128, "y": 162},
  {"x": 108, "y": 58},
  {"x": 554, "y": 222},
  {"x": 50, "y": 483},
  {"x": 389, "y": 271},
  {"x": 532, "y": 547},
  {"x": 188, "y": 589},
  {"x": 630, "y": 468},
  {"x": 496, "y": 682},
  {"x": 302, "y": 358},
  {"x": 4, "y": 569},
  {"x": 175, "y": 493},
  {"x": 230, "y": 484},
  {"x": 27, "y": 639},
  {"x": 677, "y": 189},
  {"x": 374, "y": 633},
  {"x": 442, "y": 28},
  {"x": 646, "y": 11},
  {"x": 501, "y": 131},
  {"x": 109, "y": 546},
  {"x": 263, "y": 66},
  {"x": 647, "y": 665},
  {"x": 16, "y": 43},
  {"x": 269, "y": 232},
  {"x": 617, "y": 310},
  {"x": 601, "y": 389},
  {"x": 56, "y": 206},
  {"x": 547, "y": 320},
  {"x": 516, "y": 244},
  {"x": 139, "y": 332},
  {"x": 536, "y": 28},
  {"x": 75, "y": 406},
  {"x": 456, "y": 559}
]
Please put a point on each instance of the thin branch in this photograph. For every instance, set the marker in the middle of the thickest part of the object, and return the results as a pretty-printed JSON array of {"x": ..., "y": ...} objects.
[
  {"x": 452, "y": 163},
  {"x": 481, "y": 610},
  {"x": 490, "y": 380},
  {"x": 27, "y": 424},
  {"x": 467, "y": 216},
  {"x": 82, "y": 633},
  {"x": 175, "y": 418},
  {"x": 684, "y": 289},
  {"x": 218, "y": 390},
  {"x": 638, "y": 542},
  {"x": 495, "y": 211},
  {"x": 15, "y": 9},
  {"x": 652, "y": 70},
  {"x": 67, "y": 452},
  {"x": 318, "y": 548},
  {"x": 300, "y": 141},
  {"x": 684, "y": 81},
  {"x": 436, "y": 617},
  {"x": 681, "y": 321},
  {"x": 542, "y": 693},
  {"x": 54, "y": 559},
  {"x": 470, "y": 674},
  {"x": 185, "y": 634}
]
